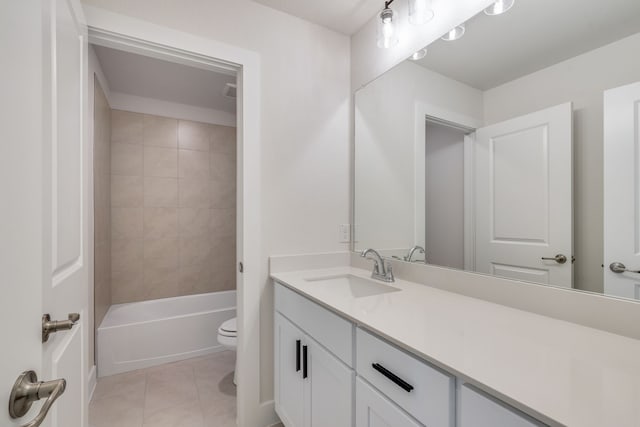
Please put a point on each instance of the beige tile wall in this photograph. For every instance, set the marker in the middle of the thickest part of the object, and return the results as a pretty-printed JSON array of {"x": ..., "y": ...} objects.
[
  {"x": 173, "y": 207},
  {"x": 102, "y": 203}
]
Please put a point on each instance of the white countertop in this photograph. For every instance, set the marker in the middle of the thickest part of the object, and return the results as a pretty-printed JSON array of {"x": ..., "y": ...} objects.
[{"x": 559, "y": 372}]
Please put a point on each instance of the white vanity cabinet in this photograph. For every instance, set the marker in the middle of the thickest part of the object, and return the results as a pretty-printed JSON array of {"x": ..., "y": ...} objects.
[
  {"x": 328, "y": 373},
  {"x": 313, "y": 387}
]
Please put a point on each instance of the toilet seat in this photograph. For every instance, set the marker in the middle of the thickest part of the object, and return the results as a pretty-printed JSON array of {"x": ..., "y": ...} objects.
[{"x": 228, "y": 328}]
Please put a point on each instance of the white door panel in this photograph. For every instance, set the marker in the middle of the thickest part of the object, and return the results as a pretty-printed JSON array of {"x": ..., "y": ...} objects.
[
  {"x": 622, "y": 189},
  {"x": 375, "y": 410},
  {"x": 47, "y": 185},
  {"x": 328, "y": 388},
  {"x": 21, "y": 191},
  {"x": 523, "y": 173},
  {"x": 289, "y": 385}
]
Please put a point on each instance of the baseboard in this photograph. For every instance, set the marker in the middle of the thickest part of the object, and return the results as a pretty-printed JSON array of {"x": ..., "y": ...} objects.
[{"x": 91, "y": 383}]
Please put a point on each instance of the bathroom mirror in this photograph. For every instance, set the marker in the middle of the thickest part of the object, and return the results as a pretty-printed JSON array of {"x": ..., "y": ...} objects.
[{"x": 512, "y": 150}]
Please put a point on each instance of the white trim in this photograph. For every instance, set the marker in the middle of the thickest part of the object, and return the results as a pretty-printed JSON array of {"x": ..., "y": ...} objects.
[
  {"x": 422, "y": 111},
  {"x": 92, "y": 382},
  {"x": 157, "y": 107},
  {"x": 150, "y": 39},
  {"x": 469, "y": 203}
]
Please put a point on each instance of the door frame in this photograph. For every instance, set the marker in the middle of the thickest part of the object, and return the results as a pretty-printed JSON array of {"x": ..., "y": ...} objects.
[
  {"x": 422, "y": 113},
  {"x": 138, "y": 36}
]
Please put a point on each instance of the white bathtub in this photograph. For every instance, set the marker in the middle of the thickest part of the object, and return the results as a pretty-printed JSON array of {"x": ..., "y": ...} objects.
[{"x": 142, "y": 334}]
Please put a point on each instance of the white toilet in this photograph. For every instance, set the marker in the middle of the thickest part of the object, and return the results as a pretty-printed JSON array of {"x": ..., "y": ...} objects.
[{"x": 228, "y": 337}]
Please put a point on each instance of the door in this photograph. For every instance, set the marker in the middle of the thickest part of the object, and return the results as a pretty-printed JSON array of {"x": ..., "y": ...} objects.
[
  {"x": 45, "y": 216},
  {"x": 524, "y": 197},
  {"x": 328, "y": 389},
  {"x": 289, "y": 384},
  {"x": 622, "y": 189},
  {"x": 375, "y": 410}
]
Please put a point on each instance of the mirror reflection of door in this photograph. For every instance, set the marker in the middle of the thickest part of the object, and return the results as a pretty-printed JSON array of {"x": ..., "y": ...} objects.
[
  {"x": 622, "y": 190},
  {"x": 523, "y": 183}
]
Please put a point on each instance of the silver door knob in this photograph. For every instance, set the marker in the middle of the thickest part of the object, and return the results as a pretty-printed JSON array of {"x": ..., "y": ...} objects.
[
  {"x": 560, "y": 259},
  {"x": 27, "y": 389},
  {"x": 618, "y": 267},
  {"x": 52, "y": 326}
]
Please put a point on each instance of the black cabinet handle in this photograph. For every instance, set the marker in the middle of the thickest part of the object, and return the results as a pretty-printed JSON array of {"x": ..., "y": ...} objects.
[
  {"x": 297, "y": 355},
  {"x": 393, "y": 377},
  {"x": 304, "y": 361}
]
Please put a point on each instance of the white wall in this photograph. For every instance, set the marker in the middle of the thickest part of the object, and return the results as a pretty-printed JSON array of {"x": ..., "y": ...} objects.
[
  {"x": 386, "y": 146},
  {"x": 305, "y": 130},
  {"x": 582, "y": 81},
  {"x": 368, "y": 61},
  {"x": 444, "y": 196}
]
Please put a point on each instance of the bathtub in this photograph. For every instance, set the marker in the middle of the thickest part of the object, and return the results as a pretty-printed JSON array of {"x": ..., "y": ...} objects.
[{"x": 147, "y": 333}]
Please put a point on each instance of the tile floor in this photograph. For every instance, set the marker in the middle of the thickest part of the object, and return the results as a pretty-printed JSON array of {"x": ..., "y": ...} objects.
[{"x": 191, "y": 393}]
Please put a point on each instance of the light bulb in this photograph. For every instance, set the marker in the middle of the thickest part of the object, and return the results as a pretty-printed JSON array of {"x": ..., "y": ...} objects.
[
  {"x": 454, "y": 33},
  {"x": 387, "y": 35},
  {"x": 499, "y": 7},
  {"x": 420, "y": 12},
  {"x": 419, "y": 55}
]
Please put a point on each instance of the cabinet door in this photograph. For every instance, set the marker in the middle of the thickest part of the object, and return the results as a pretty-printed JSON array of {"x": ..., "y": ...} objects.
[
  {"x": 375, "y": 410},
  {"x": 289, "y": 384},
  {"x": 480, "y": 410},
  {"x": 328, "y": 389}
]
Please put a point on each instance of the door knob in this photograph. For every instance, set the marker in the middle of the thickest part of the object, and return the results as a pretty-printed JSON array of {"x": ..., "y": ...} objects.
[
  {"x": 618, "y": 267},
  {"x": 560, "y": 259},
  {"x": 52, "y": 326},
  {"x": 27, "y": 389}
]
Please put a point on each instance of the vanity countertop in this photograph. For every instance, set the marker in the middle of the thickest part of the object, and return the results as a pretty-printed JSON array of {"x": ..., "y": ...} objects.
[{"x": 559, "y": 372}]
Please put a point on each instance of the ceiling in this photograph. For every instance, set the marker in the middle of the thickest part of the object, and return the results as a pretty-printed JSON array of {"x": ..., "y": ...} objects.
[
  {"x": 531, "y": 36},
  {"x": 344, "y": 16},
  {"x": 138, "y": 75}
]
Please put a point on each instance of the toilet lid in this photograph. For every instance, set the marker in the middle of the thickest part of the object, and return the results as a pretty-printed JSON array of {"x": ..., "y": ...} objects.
[{"x": 229, "y": 327}]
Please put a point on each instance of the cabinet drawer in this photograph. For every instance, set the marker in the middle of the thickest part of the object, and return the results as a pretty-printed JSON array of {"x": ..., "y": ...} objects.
[
  {"x": 425, "y": 392},
  {"x": 327, "y": 328},
  {"x": 480, "y": 410}
]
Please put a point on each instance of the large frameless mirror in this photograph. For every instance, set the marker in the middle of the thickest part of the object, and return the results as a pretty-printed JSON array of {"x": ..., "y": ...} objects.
[{"x": 513, "y": 150}]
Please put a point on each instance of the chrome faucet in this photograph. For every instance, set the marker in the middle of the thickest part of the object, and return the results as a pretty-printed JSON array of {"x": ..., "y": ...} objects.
[
  {"x": 412, "y": 251},
  {"x": 381, "y": 269}
]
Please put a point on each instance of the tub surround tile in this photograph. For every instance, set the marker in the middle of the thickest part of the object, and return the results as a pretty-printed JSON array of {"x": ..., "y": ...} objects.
[
  {"x": 126, "y": 159},
  {"x": 194, "y": 250},
  {"x": 169, "y": 207},
  {"x": 126, "y": 223},
  {"x": 160, "y": 223},
  {"x": 193, "y": 135},
  {"x": 126, "y": 254},
  {"x": 160, "y": 131},
  {"x": 126, "y": 191},
  {"x": 193, "y": 221},
  {"x": 223, "y": 195},
  {"x": 194, "y": 193},
  {"x": 193, "y": 164},
  {"x": 126, "y": 127},
  {"x": 160, "y": 192},
  {"x": 223, "y": 139}
]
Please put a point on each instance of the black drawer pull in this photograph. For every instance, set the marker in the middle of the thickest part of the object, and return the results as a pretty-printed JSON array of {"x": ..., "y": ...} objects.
[
  {"x": 393, "y": 377},
  {"x": 297, "y": 355},
  {"x": 304, "y": 361}
]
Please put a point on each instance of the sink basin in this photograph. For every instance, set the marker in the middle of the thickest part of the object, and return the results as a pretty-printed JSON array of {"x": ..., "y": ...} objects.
[{"x": 352, "y": 286}]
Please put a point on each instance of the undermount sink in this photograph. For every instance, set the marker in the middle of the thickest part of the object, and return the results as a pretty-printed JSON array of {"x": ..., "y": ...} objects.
[{"x": 352, "y": 286}]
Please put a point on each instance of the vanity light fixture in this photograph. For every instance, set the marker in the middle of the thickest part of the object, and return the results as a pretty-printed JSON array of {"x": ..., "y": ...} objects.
[
  {"x": 499, "y": 7},
  {"x": 420, "y": 12},
  {"x": 387, "y": 32},
  {"x": 455, "y": 33},
  {"x": 419, "y": 55}
]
